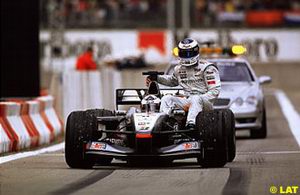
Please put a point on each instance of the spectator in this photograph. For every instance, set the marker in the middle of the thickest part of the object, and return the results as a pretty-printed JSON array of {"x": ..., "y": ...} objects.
[
  {"x": 153, "y": 13},
  {"x": 86, "y": 61}
]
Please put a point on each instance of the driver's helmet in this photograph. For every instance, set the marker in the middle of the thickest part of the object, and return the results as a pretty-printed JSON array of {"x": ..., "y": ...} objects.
[
  {"x": 188, "y": 52},
  {"x": 151, "y": 103}
]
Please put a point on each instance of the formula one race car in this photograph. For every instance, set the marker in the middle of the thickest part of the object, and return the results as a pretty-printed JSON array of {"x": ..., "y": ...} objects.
[{"x": 96, "y": 136}]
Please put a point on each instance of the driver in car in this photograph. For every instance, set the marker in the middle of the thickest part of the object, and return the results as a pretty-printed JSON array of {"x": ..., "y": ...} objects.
[{"x": 199, "y": 79}]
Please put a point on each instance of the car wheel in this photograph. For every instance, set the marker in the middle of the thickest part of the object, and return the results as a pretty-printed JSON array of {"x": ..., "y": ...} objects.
[
  {"x": 214, "y": 139},
  {"x": 76, "y": 134},
  {"x": 262, "y": 132},
  {"x": 79, "y": 130},
  {"x": 229, "y": 122}
]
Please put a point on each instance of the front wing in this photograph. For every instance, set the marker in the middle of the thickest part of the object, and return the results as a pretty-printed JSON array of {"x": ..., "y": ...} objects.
[{"x": 189, "y": 149}]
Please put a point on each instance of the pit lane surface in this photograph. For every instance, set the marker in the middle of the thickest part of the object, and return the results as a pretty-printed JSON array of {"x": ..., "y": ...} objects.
[{"x": 259, "y": 164}]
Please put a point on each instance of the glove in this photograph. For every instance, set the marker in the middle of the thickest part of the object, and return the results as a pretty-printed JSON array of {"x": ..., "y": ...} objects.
[{"x": 148, "y": 80}]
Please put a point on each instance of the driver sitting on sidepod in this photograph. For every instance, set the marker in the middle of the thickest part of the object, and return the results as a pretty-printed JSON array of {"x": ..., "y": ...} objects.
[{"x": 199, "y": 79}]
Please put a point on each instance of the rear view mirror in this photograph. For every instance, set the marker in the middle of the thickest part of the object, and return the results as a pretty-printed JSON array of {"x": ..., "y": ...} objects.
[{"x": 264, "y": 79}]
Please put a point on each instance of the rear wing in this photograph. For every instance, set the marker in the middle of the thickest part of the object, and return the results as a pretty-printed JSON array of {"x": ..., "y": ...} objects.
[{"x": 135, "y": 96}]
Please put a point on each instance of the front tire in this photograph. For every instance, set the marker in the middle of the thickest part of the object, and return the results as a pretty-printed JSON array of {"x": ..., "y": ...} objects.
[
  {"x": 262, "y": 132},
  {"x": 76, "y": 135},
  {"x": 80, "y": 127}
]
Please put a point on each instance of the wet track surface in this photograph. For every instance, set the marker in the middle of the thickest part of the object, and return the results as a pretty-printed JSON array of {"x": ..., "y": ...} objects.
[{"x": 259, "y": 164}]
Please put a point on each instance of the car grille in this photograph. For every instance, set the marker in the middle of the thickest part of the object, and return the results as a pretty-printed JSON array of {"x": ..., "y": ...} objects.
[{"x": 221, "y": 102}]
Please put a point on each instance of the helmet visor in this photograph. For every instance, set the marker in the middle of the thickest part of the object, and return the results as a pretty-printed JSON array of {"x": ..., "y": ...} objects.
[{"x": 188, "y": 53}]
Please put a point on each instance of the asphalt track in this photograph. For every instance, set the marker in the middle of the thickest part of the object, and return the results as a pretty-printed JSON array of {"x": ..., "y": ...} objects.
[{"x": 260, "y": 164}]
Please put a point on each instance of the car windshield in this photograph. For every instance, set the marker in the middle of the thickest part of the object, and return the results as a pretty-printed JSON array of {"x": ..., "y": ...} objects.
[
  {"x": 229, "y": 71},
  {"x": 234, "y": 72}
]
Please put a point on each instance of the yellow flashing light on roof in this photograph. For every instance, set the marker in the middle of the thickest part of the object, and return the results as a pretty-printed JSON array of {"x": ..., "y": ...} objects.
[
  {"x": 211, "y": 50},
  {"x": 238, "y": 49},
  {"x": 175, "y": 51}
]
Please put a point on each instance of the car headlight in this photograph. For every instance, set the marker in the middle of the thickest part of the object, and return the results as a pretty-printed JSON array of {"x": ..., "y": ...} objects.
[
  {"x": 239, "y": 101},
  {"x": 252, "y": 100}
]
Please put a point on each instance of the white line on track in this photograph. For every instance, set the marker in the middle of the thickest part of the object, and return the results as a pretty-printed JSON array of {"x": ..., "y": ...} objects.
[
  {"x": 12, "y": 157},
  {"x": 290, "y": 113}
]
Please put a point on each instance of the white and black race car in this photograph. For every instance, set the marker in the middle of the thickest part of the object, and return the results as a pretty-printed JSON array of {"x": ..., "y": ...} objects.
[{"x": 143, "y": 134}]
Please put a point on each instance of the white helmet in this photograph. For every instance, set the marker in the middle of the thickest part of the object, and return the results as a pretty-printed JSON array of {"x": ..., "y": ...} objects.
[{"x": 188, "y": 52}]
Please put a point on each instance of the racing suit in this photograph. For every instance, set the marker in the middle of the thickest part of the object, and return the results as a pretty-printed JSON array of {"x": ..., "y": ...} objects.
[{"x": 201, "y": 84}]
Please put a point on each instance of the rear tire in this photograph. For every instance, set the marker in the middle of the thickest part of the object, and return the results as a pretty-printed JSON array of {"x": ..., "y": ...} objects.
[
  {"x": 213, "y": 133},
  {"x": 262, "y": 132},
  {"x": 80, "y": 127},
  {"x": 229, "y": 122}
]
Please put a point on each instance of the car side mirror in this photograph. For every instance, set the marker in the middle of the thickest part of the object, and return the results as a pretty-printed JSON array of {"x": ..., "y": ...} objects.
[{"x": 264, "y": 79}]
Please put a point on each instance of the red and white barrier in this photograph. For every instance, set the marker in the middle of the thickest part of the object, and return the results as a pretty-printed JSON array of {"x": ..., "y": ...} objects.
[
  {"x": 49, "y": 115},
  {"x": 25, "y": 124},
  {"x": 5, "y": 143},
  {"x": 31, "y": 128},
  {"x": 34, "y": 113},
  {"x": 10, "y": 114},
  {"x": 6, "y": 132}
]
